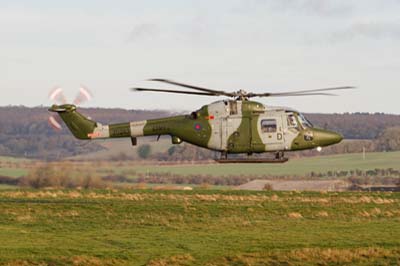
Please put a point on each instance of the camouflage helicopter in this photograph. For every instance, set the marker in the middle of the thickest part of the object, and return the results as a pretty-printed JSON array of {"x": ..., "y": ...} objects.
[{"x": 235, "y": 125}]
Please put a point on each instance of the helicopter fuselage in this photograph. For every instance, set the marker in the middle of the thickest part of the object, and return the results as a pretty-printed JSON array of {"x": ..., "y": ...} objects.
[{"x": 230, "y": 126}]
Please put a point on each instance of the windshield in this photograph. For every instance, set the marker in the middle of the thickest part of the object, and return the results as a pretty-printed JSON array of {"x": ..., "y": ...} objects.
[{"x": 304, "y": 121}]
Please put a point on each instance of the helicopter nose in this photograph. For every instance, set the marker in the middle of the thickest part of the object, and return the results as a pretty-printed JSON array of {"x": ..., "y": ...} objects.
[{"x": 325, "y": 137}]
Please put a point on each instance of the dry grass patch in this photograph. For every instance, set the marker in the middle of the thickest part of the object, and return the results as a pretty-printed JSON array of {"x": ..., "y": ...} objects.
[
  {"x": 316, "y": 256},
  {"x": 369, "y": 199},
  {"x": 322, "y": 214},
  {"x": 25, "y": 218},
  {"x": 93, "y": 261},
  {"x": 74, "y": 261},
  {"x": 177, "y": 260},
  {"x": 295, "y": 215},
  {"x": 332, "y": 255},
  {"x": 25, "y": 263}
]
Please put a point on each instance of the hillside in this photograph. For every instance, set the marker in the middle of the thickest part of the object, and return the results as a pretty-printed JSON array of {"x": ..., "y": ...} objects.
[{"x": 24, "y": 132}]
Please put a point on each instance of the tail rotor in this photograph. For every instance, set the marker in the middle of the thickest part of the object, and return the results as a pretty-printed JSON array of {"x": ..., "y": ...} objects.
[
  {"x": 60, "y": 104},
  {"x": 57, "y": 96},
  {"x": 84, "y": 95}
]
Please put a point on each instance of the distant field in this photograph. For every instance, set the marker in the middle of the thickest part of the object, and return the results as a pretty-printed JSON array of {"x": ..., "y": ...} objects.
[
  {"x": 13, "y": 167},
  {"x": 302, "y": 166},
  {"x": 198, "y": 228},
  {"x": 116, "y": 147},
  {"x": 6, "y": 187},
  {"x": 13, "y": 172},
  {"x": 13, "y": 159}
]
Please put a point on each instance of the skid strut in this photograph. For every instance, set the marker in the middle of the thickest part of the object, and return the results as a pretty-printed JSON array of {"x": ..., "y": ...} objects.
[{"x": 279, "y": 158}]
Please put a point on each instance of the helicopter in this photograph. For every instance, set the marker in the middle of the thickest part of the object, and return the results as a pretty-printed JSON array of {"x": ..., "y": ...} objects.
[{"x": 236, "y": 125}]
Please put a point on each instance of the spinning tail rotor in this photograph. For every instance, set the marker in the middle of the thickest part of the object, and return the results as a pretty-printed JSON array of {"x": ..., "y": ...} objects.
[{"x": 60, "y": 105}]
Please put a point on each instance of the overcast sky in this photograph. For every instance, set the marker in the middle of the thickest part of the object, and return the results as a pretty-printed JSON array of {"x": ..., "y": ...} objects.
[{"x": 255, "y": 45}]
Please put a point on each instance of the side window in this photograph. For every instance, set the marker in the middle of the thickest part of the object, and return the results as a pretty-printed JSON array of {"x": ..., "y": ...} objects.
[
  {"x": 291, "y": 120},
  {"x": 233, "y": 108},
  {"x": 268, "y": 125}
]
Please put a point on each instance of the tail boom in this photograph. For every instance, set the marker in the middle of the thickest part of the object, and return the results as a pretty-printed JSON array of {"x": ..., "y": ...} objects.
[
  {"x": 123, "y": 130},
  {"x": 86, "y": 129}
]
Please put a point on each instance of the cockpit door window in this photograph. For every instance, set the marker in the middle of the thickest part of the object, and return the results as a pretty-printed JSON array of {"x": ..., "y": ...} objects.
[
  {"x": 268, "y": 125},
  {"x": 292, "y": 121}
]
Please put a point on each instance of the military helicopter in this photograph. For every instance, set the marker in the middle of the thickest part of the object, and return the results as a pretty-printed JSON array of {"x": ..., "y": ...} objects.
[{"x": 235, "y": 125}]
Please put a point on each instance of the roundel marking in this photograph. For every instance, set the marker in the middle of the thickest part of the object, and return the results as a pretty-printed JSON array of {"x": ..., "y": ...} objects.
[{"x": 198, "y": 127}]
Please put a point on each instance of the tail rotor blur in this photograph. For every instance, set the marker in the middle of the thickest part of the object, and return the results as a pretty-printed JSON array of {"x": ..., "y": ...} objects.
[
  {"x": 57, "y": 96},
  {"x": 59, "y": 99},
  {"x": 55, "y": 122},
  {"x": 84, "y": 95}
]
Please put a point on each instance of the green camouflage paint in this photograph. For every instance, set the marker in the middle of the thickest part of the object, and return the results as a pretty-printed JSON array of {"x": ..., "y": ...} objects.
[
  {"x": 79, "y": 125},
  {"x": 231, "y": 126}
]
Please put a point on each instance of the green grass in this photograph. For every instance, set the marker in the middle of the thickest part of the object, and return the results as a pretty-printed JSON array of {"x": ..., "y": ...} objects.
[
  {"x": 198, "y": 228},
  {"x": 7, "y": 187},
  {"x": 13, "y": 159},
  {"x": 13, "y": 172},
  {"x": 302, "y": 166}
]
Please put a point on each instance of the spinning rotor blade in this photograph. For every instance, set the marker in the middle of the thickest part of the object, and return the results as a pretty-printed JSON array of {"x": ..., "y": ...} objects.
[
  {"x": 83, "y": 96},
  {"x": 175, "y": 91},
  {"x": 214, "y": 92},
  {"x": 288, "y": 95},
  {"x": 57, "y": 95},
  {"x": 302, "y": 93},
  {"x": 241, "y": 94},
  {"x": 55, "y": 122}
]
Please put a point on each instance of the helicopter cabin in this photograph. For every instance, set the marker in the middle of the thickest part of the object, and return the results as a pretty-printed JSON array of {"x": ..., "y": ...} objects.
[{"x": 248, "y": 126}]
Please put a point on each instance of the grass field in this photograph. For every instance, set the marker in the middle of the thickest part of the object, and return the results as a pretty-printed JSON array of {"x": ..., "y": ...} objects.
[
  {"x": 6, "y": 187},
  {"x": 13, "y": 172},
  {"x": 300, "y": 167},
  {"x": 198, "y": 228},
  {"x": 293, "y": 167},
  {"x": 13, "y": 159},
  {"x": 6, "y": 170}
]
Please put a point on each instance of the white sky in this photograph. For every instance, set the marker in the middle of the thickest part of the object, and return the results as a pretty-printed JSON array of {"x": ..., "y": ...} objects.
[{"x": 256, "y": 45}]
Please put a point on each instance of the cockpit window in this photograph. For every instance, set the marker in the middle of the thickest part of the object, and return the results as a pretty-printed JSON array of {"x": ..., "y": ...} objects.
[
  {"x": 291, "y": 120},
  {"x": 304, "y": 122}
]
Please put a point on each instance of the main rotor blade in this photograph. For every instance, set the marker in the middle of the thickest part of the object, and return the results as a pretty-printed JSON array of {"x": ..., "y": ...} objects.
[
  {"x": 250, "y": 95},
  {"x": 302, "y": 93},
  {"x": 175, "y": 91},
  {"x": 217, "y": 92}
]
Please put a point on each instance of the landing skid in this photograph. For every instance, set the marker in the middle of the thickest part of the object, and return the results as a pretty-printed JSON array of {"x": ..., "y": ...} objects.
[
  {"x": 279, "y": 158},
  {"x": 255, "y": 160}
]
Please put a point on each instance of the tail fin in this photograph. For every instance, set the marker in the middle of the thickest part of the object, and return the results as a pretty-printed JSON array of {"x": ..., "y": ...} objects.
[{"x": 80, "y": 126}]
